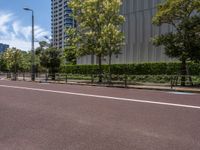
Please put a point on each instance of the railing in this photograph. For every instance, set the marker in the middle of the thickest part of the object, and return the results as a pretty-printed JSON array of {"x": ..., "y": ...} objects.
[{"x": 116, "y": 80}]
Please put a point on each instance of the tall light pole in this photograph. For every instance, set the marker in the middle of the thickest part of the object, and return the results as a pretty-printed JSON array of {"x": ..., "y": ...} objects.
[{"x": 32, "y": 50}]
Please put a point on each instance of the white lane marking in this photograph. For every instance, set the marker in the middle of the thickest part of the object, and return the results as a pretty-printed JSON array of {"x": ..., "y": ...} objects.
[
  {"x": 103, "y": 97},
  {"x": 182, "y": 93}
]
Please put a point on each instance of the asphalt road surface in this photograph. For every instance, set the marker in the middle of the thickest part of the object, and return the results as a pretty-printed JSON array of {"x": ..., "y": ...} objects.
[{"x": 37, "y": 116}]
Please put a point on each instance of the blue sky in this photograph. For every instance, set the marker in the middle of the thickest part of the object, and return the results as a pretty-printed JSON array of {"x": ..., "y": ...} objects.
[{"x": 15, "y": 23}]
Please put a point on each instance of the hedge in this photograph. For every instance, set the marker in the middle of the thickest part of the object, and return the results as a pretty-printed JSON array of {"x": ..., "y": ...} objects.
[{"x": 133, "y": 69}]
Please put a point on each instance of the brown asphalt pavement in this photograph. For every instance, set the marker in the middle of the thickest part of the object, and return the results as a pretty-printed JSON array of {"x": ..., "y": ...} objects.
[{"x": 47, "y": 120}]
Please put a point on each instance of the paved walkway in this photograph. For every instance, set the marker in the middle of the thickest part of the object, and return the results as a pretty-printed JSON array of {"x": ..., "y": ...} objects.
[{"x": 147, "y": 87}]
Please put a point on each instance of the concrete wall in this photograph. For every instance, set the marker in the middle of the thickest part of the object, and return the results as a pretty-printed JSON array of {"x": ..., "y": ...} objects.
[{"x": 138, "y": 31}]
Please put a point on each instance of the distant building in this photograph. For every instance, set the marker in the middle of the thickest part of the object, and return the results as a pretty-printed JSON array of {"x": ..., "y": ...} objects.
[
  {"x": 3, "y": 47},
  {"x": 60, "y": 19},
  {"x": 138, "y": 30}
]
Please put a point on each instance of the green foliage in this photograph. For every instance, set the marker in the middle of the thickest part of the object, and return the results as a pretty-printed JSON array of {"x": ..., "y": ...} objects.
[
  {"x": 133, "y": 69},
  {"x": 15, "y": 60},
  {"x": 71, "y": 48},
  {"x": 43, "y": 45},
  {"x": 183, "y": 43},
  {"x": 3, "y": 66},
  {"x": 98, "y": 31},
  {"x": 184, "y": 17},
  {"x": 50, "y": 58}
]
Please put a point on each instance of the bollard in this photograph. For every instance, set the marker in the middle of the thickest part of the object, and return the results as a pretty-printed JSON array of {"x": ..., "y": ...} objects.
[
  {"x": 92, "y": 78},
  {"x": 46, "y": 77},
  {"x": 23, "y": 76},
  {"x": 65, "y": 78},
  {"x": 125, "y": 81},
  {"x": 171, "y": 83}
]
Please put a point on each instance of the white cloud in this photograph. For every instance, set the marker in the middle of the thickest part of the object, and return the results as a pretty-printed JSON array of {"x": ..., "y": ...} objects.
[
  {"x": 5, "y": 18},
  {"x": 14, "y": 33}
]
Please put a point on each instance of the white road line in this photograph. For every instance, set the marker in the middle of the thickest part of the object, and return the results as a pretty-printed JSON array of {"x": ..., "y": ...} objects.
[
  {"x": 103, "y": 97},
  {"x": 182, "y": 93}
]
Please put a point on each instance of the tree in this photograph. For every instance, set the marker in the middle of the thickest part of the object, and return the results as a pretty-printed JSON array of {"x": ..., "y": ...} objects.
[
  {"x": 24, "y": 61},
  {"x": 15, "y": 60},
  {"x": 50, "y": 58},
  {"x": 99, "y": 28},
  {"x": 112, "y": 41},
  {"x": 43, "y": 45},
  {"x": 71, "y": 47},
  {"x": 3, "y": 66},
  {"x": 183, "y": 43}
]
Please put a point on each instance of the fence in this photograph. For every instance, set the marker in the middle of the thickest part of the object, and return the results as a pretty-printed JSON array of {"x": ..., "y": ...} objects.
[{"x": 116, "y": 80}]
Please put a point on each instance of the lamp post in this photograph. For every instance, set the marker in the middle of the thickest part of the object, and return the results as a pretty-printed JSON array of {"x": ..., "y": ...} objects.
[{"x": 32, "y": 49}]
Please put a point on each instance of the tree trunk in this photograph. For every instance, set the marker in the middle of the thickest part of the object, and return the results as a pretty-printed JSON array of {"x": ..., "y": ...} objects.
[
  {"x": 183, "y": 72},
  {"x": 15, "y": 67},
  {"x": 53, "y": 74},
  {"x": 100, "y": 69},
  {"x": 190, "y": 78},
  {"x": 110, "y": 73},
  {"x": 92, "y": 62},
  {"x": 53, "y": 77}
]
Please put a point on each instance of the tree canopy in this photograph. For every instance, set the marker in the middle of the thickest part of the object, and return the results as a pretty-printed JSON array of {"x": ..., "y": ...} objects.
[
  {"x": 98, "y": 30},
  {"x": 50, "y": 58},
  {"x": 182, "y": 43},
  {"x": 15, "y": 60},
  {"x": 184, "y": 17}
]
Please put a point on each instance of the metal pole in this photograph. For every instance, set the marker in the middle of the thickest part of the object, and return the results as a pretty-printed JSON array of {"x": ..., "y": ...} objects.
[
  {"x": 15, "y": 74},
  {"x": 33, "y": 53}
]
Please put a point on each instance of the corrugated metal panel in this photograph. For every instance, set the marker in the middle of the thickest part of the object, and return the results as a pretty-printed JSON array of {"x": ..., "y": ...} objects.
[{"x": 138, "y": 31}]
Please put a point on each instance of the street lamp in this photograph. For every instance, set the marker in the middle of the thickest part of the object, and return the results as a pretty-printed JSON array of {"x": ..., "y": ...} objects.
[{"x": 32, "y": 50}]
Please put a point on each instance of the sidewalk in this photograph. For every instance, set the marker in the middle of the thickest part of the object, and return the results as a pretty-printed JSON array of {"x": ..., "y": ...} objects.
[{"x": 145, "y": 87}]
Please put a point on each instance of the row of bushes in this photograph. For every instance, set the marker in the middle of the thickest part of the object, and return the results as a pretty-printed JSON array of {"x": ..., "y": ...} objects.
[{"x": 134, "y": 69}]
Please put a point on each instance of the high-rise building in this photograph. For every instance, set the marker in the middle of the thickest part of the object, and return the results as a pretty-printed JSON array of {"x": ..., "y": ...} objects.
[
  {"x": 60, "y": 20},
  {"x": 3, "y": 47}
]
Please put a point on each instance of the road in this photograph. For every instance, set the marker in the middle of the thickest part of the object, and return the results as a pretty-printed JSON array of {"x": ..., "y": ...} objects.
[{"x": 36, "y": 116}]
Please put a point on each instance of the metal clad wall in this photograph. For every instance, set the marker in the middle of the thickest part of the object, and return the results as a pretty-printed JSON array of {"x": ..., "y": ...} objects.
[{"x": 138, "y": 31}]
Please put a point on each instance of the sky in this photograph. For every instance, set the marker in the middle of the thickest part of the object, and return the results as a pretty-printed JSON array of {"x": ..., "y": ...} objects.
[{"x": 15, "y": 23}]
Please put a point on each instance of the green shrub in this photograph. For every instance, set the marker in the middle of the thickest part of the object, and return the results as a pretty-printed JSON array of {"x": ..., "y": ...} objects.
[{"x": 133, "y": 69}]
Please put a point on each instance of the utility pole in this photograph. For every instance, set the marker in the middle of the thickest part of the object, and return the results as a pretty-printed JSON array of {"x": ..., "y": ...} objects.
[{"x": 32, "y": 49}]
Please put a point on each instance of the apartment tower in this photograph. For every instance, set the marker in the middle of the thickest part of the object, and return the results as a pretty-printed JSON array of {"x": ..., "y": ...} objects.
[{"x": 60, "y": 20}]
